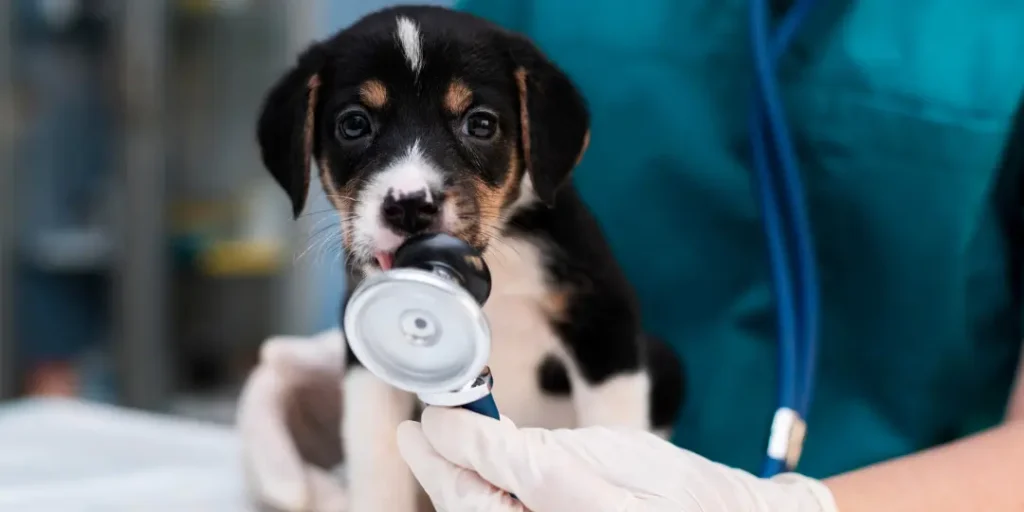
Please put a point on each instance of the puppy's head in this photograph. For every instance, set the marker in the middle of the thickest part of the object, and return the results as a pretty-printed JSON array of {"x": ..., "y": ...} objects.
[{"x": 423, "y": 119}]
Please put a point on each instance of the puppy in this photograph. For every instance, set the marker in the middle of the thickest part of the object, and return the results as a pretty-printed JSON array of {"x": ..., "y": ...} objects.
[{"x": 422, "y": 119}]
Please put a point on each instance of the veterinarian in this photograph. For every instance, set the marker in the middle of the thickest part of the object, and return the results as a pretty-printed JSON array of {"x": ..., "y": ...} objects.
[
  {"x": 901, "y": 118},
  {"x": 902, "y": 115}
]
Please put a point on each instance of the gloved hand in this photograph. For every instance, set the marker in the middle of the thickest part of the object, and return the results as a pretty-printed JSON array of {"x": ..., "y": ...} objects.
[
  {"x": 467, "y": 462},
  {"x": 289, "y": 420}
]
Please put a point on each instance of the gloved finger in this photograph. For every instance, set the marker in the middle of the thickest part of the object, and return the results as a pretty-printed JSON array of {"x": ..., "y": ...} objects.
[
  {"x": 312, "y": 367},
  {"x": 273, "y": 468},
  {"x": 271, "y": 412},
  {"x": 634, "y": 459},
  {"x": 326, "y": 492},
  {"x": 313, "y": 416},
  {"x": 527, "y": 463},
  {"x": 648, "y": 465},
  {"x": 450, "y": 488},
  {"x": 321, "y": 355}
]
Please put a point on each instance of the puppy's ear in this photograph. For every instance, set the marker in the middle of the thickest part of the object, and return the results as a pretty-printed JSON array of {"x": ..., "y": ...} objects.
[
  {"x": 553, "y": 118},
  {"x": 286, "y": 127}
]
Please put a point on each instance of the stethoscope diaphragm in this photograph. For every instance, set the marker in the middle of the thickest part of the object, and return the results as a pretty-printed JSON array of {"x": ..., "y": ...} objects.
[{"x": 418, "y": 331}]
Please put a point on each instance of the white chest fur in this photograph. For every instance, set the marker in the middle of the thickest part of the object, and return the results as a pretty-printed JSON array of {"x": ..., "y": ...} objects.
[{"x": 522, "y": 336}]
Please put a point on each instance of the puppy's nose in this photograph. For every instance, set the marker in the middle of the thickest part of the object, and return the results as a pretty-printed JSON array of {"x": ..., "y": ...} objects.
[{"x": 410, "y": 213}]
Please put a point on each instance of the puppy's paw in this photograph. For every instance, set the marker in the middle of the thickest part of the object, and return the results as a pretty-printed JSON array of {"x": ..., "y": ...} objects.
[{"x": 378, "y": 477}]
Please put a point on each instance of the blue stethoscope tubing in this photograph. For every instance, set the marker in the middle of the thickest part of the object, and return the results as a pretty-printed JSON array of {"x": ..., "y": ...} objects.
[
  {"x": 485, "y": 406},
  {"x": 786, "y": 223}
]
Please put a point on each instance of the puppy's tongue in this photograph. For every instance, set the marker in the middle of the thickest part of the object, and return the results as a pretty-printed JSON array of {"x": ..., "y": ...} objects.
[{"x": 385, "y": 260}]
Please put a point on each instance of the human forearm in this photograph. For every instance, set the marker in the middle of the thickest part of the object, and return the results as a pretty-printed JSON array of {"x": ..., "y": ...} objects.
[{"x": 980, "y": 473}]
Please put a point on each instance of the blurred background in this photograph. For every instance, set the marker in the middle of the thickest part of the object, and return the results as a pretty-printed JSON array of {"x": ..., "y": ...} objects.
[{"x": 144, "y": 251}]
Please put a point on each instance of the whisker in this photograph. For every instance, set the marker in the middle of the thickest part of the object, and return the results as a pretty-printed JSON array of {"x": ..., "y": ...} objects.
[
  {"x": 325, "y": 243},
  {"x": 340, "y": 196},
  {"x": 312, "y": 240}
]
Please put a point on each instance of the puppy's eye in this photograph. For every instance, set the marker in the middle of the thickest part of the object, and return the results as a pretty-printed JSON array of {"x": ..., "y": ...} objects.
[
  {"x": 480, "y": 124},
  {"x": 353, "y": 124}
]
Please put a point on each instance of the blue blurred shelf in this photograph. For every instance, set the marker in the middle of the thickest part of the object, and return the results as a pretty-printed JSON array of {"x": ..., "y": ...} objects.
[{"x": 71, "y": 250}]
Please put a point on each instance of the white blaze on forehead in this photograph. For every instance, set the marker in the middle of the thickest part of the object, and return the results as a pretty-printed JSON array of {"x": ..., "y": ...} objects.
[
  {"x": 408, "y": 35},
  {"x": 411, "y": 173}
]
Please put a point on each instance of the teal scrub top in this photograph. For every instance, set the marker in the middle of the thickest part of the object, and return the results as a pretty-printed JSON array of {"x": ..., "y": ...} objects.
[{"x": 901, "y": 111}]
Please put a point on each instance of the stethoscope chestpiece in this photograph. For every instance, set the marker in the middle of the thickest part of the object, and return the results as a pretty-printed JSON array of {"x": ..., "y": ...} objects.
[{"x": 419, "y": 326}]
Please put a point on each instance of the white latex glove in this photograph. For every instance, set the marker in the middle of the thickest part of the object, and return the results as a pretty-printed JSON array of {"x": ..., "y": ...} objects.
[
  {"x": 289, "y": 420},
  {"x": 467, "y": 462}
]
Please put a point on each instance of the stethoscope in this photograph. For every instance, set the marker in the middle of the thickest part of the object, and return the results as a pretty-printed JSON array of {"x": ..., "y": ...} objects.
[
  {"x": 788, "y": 232},
  {"x": 420, "y": 327}
]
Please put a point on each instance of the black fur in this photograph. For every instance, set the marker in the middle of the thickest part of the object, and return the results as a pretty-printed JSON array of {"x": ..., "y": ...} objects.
[
  {"x": 668, "y": 382},
  {"x": 279, "y": 129},
  {"x": 553, "y": 378},
  {"x": 559, "y": 120},
  {"x": 600, "y": 327}
]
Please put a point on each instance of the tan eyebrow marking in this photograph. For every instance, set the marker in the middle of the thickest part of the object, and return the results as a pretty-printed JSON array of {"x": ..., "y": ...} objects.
[
  {"x": 373, "y": 93},
  {"x": 458, "y": 98}
]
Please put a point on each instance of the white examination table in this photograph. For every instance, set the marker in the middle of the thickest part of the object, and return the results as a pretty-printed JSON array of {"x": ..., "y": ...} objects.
[{"x": 68, "y": 456}]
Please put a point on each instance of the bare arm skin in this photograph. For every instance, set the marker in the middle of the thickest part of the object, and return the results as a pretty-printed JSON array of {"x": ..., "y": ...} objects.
[{"x": 981, "y": 473}]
